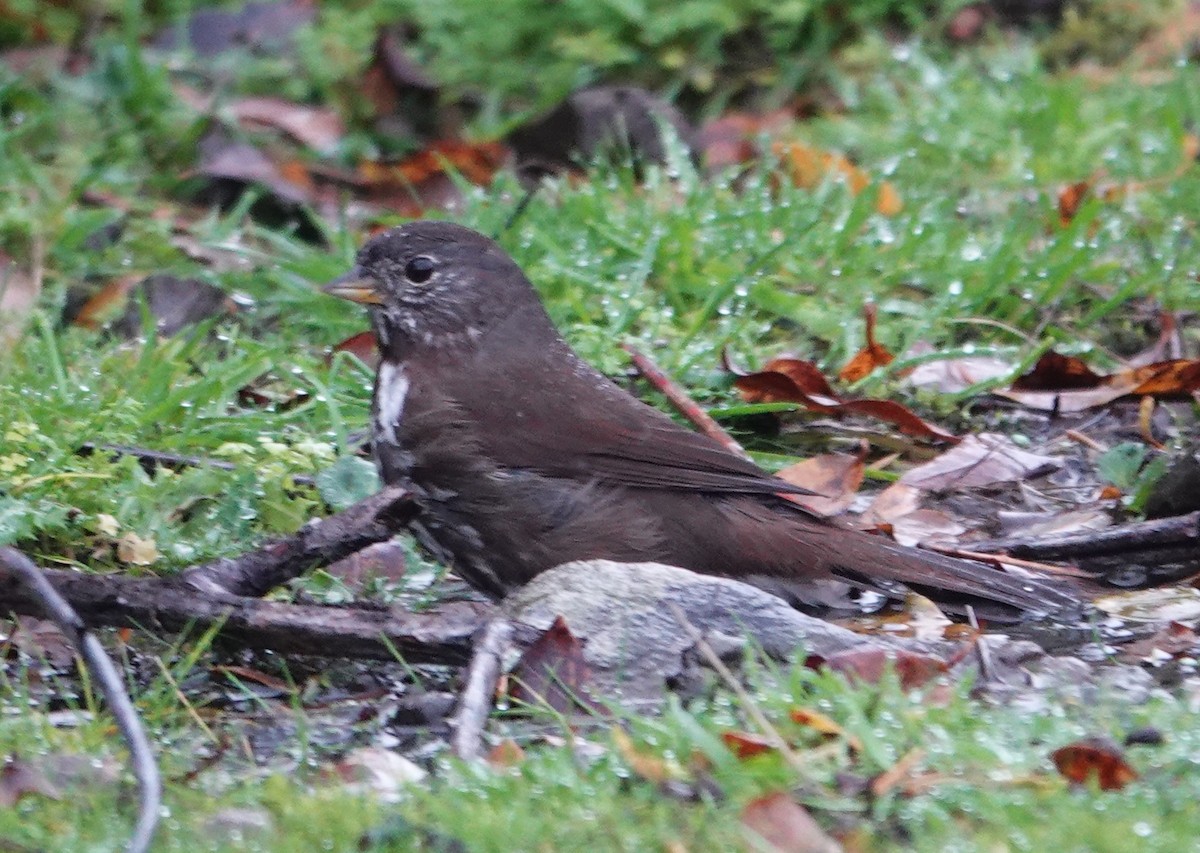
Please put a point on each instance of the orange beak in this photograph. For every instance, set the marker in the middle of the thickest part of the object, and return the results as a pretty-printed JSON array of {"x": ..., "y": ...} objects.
[{"x": 356, "y": 286}]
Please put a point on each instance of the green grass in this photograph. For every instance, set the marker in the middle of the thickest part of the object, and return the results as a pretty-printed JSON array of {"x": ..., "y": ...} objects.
[{"x": 976, "y": 144}]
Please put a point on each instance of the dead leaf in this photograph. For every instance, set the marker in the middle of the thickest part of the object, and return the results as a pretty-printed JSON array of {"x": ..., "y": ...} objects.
[
  {"x": 869, "y": 664},
  {"x": 784, "y": 826},
  {"x": 808, "y": 167},
  {"x": 979, "y": 460},
  {"x": 746, "y": 745},
  {"x": 553, "y": 672},
  {"x": 1066, "y": 384},
  {"x": 423, "y": 181},
  {"x": 871, "y": 357},
  {"x": 1180, "y": 603},
  {"x": 42, "y": 638},
  {"x": 825, "y": 725},
  {"x": 791, "y": 380},
  {"x": 19, "y": 779},
  {"x": 363, "y": 346},
  {"x": 952, "y": 375},
  {"x": 1174, "y": 640},
  {"x": 136, "y": 551},
  {"x": 834, "y": 476},
  {"x": 894, "y": 502},
  {"x": 1096, "y": 758},
  {"x": 19, "y": 291},
  {"x": 926, "y": 525},
  {"x": 732, "y": 139},
  {"x": 241, "y": 163},
  {"x": 320, "y": 128},
  {"x": 507, "y": 753},
  {"x": 378, "y": 771},
  {"x": 652, "y": 768},
  {"x": 385, "y": 560}
]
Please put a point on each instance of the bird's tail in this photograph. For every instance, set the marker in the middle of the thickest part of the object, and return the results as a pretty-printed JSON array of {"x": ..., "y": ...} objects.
[{"x": 886, "y": 566}]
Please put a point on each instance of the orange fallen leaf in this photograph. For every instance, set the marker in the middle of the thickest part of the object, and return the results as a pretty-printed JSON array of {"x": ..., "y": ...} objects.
[
  {"x": 874, "y": 355},
  {"x": 782, "y": 825},
  {"x": 746, "y": 745},
  {"x": 808, "y": 167},
  {"x": 835, "y": 477},
  {"x": 1094, "y": 758}
]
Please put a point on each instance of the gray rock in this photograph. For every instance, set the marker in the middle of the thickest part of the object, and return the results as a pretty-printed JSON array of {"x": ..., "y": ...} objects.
[{"x": 633, "y": 640}]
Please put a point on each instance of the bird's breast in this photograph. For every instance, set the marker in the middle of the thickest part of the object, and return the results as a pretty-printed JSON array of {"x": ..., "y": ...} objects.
[{"x": 391, "y": 393}]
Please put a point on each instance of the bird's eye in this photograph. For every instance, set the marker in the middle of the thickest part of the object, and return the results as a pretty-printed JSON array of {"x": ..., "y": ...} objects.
[{"x": 418, "y": 270}]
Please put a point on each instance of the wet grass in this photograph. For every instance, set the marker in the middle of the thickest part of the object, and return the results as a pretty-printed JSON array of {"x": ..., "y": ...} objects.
[{"x": 976, "y": 145}]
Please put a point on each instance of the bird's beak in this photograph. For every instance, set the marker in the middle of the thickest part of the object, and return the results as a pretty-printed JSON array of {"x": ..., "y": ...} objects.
[{"x": 356, "y": 286}]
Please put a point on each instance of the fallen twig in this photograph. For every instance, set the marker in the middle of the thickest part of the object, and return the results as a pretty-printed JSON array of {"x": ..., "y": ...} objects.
[
  {"x": 319, "y": 542},
  {"x": 353, "y": 632},
  {"x": 752, "y": 707},
  {"x": 475, "y": 702},
  {"x": 1048, "y": 568},
  {"x": 53, "y": 605},
  {"x": 1180, "y": 530},
  {"x": 684, "y": 404}
]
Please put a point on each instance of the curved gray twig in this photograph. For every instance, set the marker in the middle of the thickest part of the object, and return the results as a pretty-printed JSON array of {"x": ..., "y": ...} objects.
[{"x": 145, "y": 769}]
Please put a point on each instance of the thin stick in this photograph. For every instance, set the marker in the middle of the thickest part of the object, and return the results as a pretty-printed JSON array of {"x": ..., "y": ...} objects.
[
  {"x": 101, "y": 667},
  {"x": 981, "y": 649},
  {"x": 1049, "y": 568},
  {"x": 322, "y": 542},
  {"x": 475, "y": 703},
  {"x": 891, "y": 777},
  {"x": 752, "y": 707},
  {"x": 684, "y": 404},
  {"x": 165, "y": 605}
]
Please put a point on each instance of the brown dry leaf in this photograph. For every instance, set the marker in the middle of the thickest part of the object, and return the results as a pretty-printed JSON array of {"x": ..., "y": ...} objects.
[
  {"x": 136, "y": 551},
  {"x": 732, "y": 139},
  {"x": 363, "y": 346},
  {"x": 952, "y": 375},
  {"x": 507, "y": 753},
  {"x": 1096, "y": 758},
  {"x": 792, "y": 380},
  {"x": 869, "y": 664},
  {"x": 782, "y": 825},
  {"x": 1072, "y": 196},
  {"x": 42, "y": 638},
  {"x": 893, "y": 503},
  {"x": 926, "y": 525},
  {"x": 808, "y": 167},
  {"x": 1174, "y": 640},
  {"x": 19, "y": 291},
  {"x": 979, "y": 460},
  {"x": 1066, "y": 384},
  {"x": 319, "y": 128},
  {"x": 378, "y": 771},
  {"x": 241, "y": 163},
  {"x": 246, "y": 673},
  {"x": 423, "y": 181},
  {"x": 746, "y": 745},
  {"x": 19, "y": 779},
  {"x": 552, "y": 671},
  {"x": 825, "y": 725},
  {"x": 834, "y": 476},
  {"x": 874, "y": 355},
  {"x": 652, "y": 768},
  {"x": 382, "y": 560}
]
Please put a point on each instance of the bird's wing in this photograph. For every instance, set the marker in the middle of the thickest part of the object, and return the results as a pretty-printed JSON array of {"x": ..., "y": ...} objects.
[{"x": 575, "y": 423}]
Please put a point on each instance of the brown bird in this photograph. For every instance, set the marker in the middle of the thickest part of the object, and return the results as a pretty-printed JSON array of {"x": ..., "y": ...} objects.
[{"x": 521, "y": 456}]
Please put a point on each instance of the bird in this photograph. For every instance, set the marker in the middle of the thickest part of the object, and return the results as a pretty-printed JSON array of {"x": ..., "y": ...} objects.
[{"x": 521, "y": 456}]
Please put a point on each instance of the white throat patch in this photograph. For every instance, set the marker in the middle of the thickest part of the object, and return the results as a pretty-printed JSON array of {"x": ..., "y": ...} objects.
[{"x": 390, "y": 392}]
